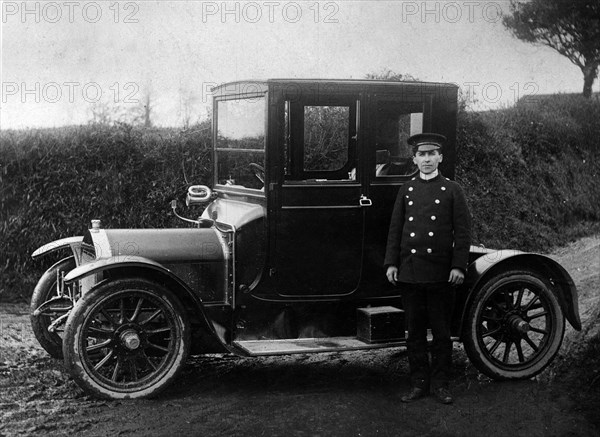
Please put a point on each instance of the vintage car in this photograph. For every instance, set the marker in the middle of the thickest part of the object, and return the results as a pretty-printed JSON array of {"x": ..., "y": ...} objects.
[{"x": 287, "y": 256}]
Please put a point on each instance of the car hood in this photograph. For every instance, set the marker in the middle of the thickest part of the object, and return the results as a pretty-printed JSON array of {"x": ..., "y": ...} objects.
[{"x": 162, "y": 245}]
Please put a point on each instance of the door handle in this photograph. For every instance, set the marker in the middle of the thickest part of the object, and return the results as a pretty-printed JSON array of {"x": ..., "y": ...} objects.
[{"x": 365, "y": 201}]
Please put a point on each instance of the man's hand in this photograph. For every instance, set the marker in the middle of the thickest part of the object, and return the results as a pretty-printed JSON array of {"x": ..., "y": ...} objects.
[
  {"x": 392, "y": 274},
  {"x": 457, "y": 277}
]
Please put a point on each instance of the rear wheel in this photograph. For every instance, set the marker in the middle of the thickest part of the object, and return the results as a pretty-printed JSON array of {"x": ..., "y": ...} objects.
[
  {"x": 126, "y": 339},
  {"x": 49, "y": 310},
  {"x": 515, "y": 326}
]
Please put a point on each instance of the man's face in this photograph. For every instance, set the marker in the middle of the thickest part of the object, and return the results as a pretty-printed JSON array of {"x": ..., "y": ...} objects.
[{"x": 428, "y": 160}]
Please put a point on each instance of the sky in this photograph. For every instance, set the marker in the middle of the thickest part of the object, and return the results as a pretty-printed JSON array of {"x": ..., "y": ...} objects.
[{"x": 62, "y": 61}]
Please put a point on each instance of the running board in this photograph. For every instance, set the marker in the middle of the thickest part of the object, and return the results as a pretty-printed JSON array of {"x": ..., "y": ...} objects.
[{"x": 308, "y": 345}]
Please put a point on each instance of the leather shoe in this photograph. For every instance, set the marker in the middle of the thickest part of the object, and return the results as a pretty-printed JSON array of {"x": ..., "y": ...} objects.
[
  {"x": 443, "y": 395},
  {"x": 414, "y": 394}
]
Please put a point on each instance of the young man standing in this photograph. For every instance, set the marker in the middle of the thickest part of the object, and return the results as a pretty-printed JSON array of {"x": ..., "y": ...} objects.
[{"x": 427, "y": 254}]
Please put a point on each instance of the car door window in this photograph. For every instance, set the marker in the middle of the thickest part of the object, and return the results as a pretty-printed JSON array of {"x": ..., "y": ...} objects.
[
  {"x": 394, "y": 124},
  {"x": 320, "y": 142},
  {"x": 326, "y": 137}
]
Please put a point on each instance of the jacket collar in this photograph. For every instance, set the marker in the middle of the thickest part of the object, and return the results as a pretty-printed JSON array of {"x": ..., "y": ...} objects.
[{"x": 430, "y": 176}]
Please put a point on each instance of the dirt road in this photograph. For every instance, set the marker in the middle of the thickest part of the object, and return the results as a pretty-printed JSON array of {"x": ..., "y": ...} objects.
[{"x": 349, "y": 394}]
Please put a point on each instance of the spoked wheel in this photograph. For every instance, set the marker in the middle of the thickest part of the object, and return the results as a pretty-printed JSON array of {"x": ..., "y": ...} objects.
[
  {"x": 126, "y": 339},
  {"x": 515, "y": 326},
  {"x": 49, "y": 309}
]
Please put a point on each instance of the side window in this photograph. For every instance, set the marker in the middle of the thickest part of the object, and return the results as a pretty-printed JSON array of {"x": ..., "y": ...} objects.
[
  {"x": 240, "y": 142},
  {"x": 394, "y": 123},
  {"x": 320, "y": 141},
  {"x": 326, "y": 137}
]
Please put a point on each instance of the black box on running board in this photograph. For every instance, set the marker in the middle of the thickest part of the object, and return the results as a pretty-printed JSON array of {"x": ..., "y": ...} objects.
[{"x": 380, "y": 324}]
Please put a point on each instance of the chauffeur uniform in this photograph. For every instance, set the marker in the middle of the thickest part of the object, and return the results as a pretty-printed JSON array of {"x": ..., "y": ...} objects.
[{"x": 429, "y": 235}]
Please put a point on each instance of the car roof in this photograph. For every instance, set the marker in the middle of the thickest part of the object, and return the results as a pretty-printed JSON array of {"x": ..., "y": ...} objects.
[{"x": 261, "y": 86}]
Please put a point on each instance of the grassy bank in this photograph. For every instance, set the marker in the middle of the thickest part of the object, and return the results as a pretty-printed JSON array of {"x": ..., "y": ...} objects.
[{"x": 529, "y": 172}]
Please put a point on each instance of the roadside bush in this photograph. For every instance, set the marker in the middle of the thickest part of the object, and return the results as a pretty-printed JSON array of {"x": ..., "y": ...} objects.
[
  {"x": 530, "y": 172},
  {"x": 55, "y": 180}
]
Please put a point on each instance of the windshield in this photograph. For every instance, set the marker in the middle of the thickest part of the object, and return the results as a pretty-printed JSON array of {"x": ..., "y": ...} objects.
[{"x": 240, "y": 142}]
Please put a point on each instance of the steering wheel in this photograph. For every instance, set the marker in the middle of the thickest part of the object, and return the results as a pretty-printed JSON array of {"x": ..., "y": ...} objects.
[{"x": 258, "y": 171}]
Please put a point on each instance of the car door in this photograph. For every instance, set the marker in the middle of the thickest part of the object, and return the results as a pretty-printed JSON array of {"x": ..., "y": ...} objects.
[
  {"x": 319, "y": 225},
  {"x": 389, "y": 164}
]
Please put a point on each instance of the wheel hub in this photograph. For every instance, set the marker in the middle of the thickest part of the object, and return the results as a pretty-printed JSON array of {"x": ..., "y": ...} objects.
[
  {"x": 130, "y": 339},
  {"x": 518, "y": 325}
]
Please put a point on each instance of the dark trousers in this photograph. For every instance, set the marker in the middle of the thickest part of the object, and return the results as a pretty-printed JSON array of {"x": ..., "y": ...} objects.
[{"x": 429, "y": 305}]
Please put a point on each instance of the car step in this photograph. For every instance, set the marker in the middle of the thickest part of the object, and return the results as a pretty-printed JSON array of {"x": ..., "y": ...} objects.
[{"x": 308, "y": 345}]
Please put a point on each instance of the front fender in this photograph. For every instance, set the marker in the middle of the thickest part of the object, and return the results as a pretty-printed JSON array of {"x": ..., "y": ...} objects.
[
  {"x": 141, "y": 266},
  {"x": 73, "y": 243},
  {"x": 116, "y": 262},
  {"x": 493, "y": 262}
]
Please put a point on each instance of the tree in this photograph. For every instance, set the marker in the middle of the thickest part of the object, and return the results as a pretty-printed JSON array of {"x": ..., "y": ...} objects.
[{"x": 572, "y": 28}]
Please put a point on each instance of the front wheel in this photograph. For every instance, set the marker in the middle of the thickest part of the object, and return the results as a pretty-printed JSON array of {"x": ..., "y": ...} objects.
[
  {"x": 515, "y": 326},
  {"x": 126, "y": 338},
  {"x": 49, "y": 308}
]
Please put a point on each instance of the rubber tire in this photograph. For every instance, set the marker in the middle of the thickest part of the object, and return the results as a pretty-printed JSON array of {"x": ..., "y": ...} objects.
[
  {"x": 45, "y": 288},
  {"x": 102, "y": 293},
  {"x": 480, "y": 359}
]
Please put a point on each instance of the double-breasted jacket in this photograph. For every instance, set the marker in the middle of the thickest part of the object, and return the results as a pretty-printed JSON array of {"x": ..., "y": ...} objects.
[{"x": 430, "y": 230}]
